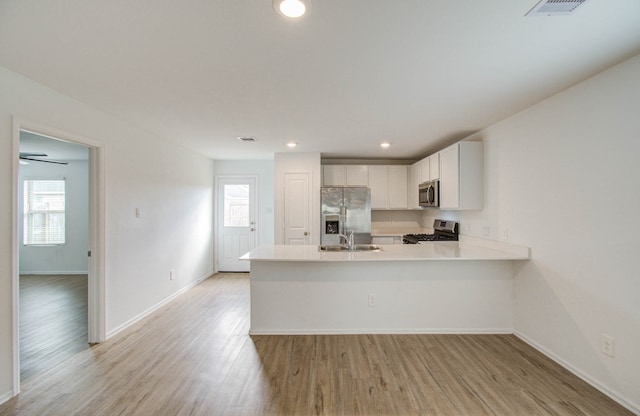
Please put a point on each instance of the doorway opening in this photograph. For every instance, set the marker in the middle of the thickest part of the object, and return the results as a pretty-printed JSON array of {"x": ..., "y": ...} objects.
[
  {"x": 236, "y": 221},
  {"x": 57, "y": 261},
  {"x": 53, "y": 229}
]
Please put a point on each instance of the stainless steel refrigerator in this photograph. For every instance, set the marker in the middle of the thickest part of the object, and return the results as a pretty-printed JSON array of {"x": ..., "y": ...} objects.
[{"x": 345, "y": 209}]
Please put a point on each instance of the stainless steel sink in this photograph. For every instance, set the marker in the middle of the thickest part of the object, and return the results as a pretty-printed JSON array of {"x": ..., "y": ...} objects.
[{"x": 358, "y": 247}]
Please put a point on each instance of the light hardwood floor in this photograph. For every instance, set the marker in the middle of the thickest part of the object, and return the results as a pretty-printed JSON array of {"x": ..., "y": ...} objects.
[
  {"x": 194, "y": 357},
  {"x": 53, "y": 321}
]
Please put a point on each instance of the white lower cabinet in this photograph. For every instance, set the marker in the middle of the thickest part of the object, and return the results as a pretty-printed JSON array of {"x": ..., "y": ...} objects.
[
  {"x": 386, "y": 240},
  {"x": 461, "y": 176}
]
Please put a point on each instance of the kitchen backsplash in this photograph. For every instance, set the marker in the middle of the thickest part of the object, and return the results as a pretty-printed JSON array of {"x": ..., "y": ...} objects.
[{"x": 381, "y": 219}]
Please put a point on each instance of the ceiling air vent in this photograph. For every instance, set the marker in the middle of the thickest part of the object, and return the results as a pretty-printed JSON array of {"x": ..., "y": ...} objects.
[
  {"x": 555, "y": 7},
  {"x": 247, "y": 139}
]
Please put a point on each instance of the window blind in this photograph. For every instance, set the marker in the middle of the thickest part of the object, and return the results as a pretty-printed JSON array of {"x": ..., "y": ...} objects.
[{"x": 44, "y": 212}]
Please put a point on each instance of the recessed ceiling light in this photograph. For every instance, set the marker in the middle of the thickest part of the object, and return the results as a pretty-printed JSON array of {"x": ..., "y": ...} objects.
[
  {"x": 292, "y": 144},
  {"x": 385, "y": 145},
  {"x": 291, "y": 8}
]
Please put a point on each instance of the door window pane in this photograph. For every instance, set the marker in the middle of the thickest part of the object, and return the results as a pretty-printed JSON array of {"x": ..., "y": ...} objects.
[{"x": 236, "y": 205}]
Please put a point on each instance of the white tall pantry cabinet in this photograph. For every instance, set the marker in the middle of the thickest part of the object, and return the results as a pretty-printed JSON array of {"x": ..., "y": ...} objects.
[{"x": 461, "y": 176}]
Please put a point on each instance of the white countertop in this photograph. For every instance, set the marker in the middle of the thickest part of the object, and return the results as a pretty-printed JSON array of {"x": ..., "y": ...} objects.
[{"x": 441, "y": 250}]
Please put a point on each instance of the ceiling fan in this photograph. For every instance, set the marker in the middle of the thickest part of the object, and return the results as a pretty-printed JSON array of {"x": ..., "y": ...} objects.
[{"x": 36, "y": 157}]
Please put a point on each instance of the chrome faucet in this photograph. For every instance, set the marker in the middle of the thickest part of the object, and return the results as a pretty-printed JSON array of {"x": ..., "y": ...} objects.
[{"x": 349, "y": 240}]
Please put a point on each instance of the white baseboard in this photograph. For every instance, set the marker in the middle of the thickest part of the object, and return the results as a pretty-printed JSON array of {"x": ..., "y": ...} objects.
[
  {"x": 6, "y": 396},
  {"x": 155, "y": 307},
  {"x": 614, "y": 395},
  {"x": 393, "y": 331},
  {"x": 57, "y": 272}
]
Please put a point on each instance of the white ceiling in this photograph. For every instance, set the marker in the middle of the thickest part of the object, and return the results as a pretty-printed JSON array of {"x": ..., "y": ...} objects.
[{"x": 347, "y": 76}]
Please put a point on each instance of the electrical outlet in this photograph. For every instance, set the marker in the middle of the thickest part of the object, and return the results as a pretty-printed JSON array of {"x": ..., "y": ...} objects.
[
  {"x": 372, "y": 300},
  {"x": 172, "y": 275},
  {"x": 606, "y": 344}
]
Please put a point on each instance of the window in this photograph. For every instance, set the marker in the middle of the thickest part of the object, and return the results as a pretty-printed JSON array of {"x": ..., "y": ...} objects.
[
  {"x": 44, "y": 212},
  {"x": 236, "y": 205}
]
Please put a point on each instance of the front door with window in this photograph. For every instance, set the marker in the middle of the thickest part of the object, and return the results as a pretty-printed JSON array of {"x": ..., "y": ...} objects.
[{"x": 237, "y": 231}]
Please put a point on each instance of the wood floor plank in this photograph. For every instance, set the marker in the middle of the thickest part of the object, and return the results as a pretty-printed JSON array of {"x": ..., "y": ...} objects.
[
  {"x": 53, "y": 321},
  {"x": 194, "y": 357}
]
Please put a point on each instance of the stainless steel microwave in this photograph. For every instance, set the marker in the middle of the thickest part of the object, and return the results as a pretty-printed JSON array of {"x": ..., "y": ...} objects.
[{"x": 429, "y": 194}]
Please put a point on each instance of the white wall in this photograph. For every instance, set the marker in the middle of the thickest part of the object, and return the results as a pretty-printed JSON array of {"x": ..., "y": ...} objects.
[
  {"x": 172, "y": 186},
  {"x": 71, "y": 257},
  {"x": 563, "y": 177},
  {"x": 263, "y": 169}
]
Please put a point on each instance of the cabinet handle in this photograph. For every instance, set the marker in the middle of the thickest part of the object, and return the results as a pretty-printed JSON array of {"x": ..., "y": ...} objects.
[{"x": 306, "y": 233}]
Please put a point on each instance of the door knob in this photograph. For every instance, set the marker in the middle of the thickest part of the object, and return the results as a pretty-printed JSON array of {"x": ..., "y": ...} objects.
[{"x": 306, "y": 233}]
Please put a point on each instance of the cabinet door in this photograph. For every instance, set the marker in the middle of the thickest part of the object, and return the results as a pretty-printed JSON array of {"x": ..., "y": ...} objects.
[
  {"x": 296, "y": 208},
  {"x": 382, "y": 240},
  {"x": 357, "y": 175},
  {"x": 450, "y": 177},
  {"x": 424, "y": 170},
  {"x": 434, "y": 167},
  {"x": 333, "y": 175},
  {"x": 398, "y": 187},
  {"x": 378, "y": 185},
  {"x": 414, "y": 180}
]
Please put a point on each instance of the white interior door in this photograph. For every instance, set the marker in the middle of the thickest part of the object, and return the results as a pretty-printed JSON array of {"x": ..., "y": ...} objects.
[
  {"x": 237, "y": 228},
  {"x": 296, "y": 208}
]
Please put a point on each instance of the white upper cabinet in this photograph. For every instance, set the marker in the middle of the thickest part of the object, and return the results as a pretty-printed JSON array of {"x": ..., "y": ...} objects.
[
  {"x": 334, "y": 175},
  {"x": 378, "y": 183},
  {"x": 430, "y": 168},
  {"x": 398, "y": 187},
  {"x": 434, "y": 166},
  {"x": 357, "y": 175},
  {"x": 424, "y": 170},
  {"x": 345, "y": 175},
  {"x": 461, "y": 178},
  {"x": 388, "y": 186},
  {"x": 415, "y": 179}
]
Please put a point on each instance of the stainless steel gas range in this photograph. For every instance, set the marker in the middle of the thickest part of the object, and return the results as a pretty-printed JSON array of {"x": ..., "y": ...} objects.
[{"x": 443, "y": 231}]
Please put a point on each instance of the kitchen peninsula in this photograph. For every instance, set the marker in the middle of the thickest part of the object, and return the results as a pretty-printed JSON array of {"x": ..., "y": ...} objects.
[{"x": 444, "y": 287}]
